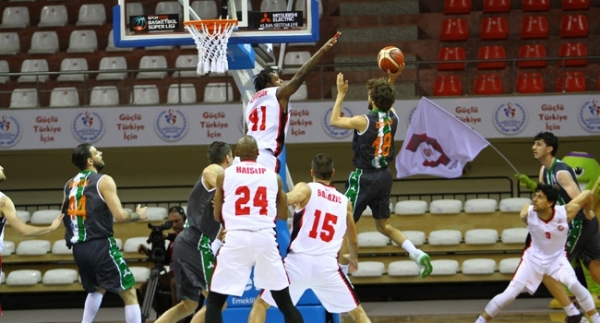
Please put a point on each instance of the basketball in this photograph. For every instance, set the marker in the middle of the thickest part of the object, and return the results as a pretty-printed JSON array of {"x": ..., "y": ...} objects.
[{"x": 390, "y": 58}]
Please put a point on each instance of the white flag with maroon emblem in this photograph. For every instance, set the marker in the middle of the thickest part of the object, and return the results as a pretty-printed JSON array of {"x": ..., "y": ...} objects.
[{"x": 437, "y": 143}]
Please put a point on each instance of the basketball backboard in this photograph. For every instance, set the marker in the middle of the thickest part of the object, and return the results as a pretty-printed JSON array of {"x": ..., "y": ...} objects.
[{"x": 161, "y": 23}]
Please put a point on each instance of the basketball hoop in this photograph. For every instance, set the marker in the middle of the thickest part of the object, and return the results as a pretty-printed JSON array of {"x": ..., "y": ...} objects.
[{"x": 211, "y": 36}]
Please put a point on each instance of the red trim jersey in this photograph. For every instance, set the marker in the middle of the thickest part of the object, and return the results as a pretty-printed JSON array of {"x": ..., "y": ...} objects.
[
  {"x": 250, "y": 197},
  {"x": 319, "y": 227},
  {"x": 266, "y": 121},
  {"x": 548, "y": 238}
]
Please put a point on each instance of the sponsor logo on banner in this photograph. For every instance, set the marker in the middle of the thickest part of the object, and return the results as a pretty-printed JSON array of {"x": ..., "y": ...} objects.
[
  {"x": 10, "y": 131},
  {"x": 88, "y": 127},
  {"x": 153, "y": 23},
  {"x": 334, "y": 132},
  {"x": 589, "y": 116},
  {"x": 411, "y": 113},
  {"x": 171, "y": 125},
  {"x": 510, "y": 118}
]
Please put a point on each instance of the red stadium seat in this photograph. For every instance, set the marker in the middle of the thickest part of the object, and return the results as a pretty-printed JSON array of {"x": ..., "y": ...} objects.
[
  {"x": 488, "y": 84},
  {"x": 534, "y": 27},
  {"x": 573, "y": 50},
  {"x": 530, "y": 83},
  {"x": 536, "y": 5},
  {"x": 491, "y": 6},
  {"x": 451, "y": 54},
  {"x": 574, "y": 26},
  {"x": 493, "y": 28},
  {"x": 491, "y": 52},
  {"x": 532, "y": 51},
  {"x": 447, "y": 85},
  {"x": 575, "y": 5},
  {"x": 454, "y": 29},
  {"x": 452, "y": 7},
  {"x": 574, "y": 82}
]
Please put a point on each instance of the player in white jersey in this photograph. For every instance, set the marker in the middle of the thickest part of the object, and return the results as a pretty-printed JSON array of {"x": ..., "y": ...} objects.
[
  {"x": 8, "y": 213},
  {"x": 322, "y": 219},
  {"x": 548, "y": 224},
  {"x": 248, "y": 199},
  {"x": 267, "y": 113}
]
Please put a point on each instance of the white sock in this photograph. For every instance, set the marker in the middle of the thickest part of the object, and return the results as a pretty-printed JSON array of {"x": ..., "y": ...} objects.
[
  {"x": 571, "y": 310},
  {"x": 595, "y": 318},
  {"x": 480, "y": 319},
  {"x": 133, "y": 314},
  {"x": 344, "y": 269},
  {"x": 92, "y": 304},
  {"x": 409, "y": 246}
]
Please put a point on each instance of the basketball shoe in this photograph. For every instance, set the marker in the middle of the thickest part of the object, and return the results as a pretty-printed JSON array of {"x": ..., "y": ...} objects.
[
  {"x": 576, "y": 319},
  {"x": 423, "y": 261}
]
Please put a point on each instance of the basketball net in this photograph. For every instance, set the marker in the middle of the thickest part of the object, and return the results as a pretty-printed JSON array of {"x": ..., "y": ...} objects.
[{"x": 211, "y": 36}]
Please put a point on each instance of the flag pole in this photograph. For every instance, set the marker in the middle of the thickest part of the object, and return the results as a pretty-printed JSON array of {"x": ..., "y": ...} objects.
[{"x": 506, "y": 159}]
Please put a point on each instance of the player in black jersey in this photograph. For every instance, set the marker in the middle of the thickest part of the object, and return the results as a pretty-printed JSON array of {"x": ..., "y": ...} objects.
[
  {"x": 193, "y": 259},
  {"x": 373, "y": 145},
  {"x": 90, "y": 205}
]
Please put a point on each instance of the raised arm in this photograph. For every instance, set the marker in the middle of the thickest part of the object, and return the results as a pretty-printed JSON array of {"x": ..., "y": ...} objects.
[
  {"x": 582, "y": 201},
  {"x": 282, "y": 204},
  {"x": 8, "y": 210},
  {"x": 352, "y": 238},
  {"x": 337, "y": 120},
  {"x": 289, "y": 88},
  {"x": 393, "y": 76},
  {"x": 108, "y": 189},
  {"x": 299, "y": 196},
  {"x": 218, "y": 198},
  {"x": 568, "y": 183},
  {"x": 524, "y": 212}
]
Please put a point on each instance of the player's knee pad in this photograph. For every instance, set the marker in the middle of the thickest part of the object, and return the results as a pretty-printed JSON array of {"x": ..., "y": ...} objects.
[
  {"x": 583, "y": 296},
  {"x": 501, "y": 300}
]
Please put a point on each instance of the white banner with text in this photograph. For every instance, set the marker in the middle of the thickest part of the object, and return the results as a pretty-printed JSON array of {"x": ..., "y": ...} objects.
[{"x": 129, "y": 126}]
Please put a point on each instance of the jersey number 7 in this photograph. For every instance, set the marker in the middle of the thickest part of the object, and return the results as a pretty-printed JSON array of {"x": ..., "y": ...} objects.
[{"x": 327, "y": 229}]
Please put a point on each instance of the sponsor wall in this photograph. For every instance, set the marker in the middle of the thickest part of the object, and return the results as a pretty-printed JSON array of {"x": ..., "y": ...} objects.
[{"x": 492, "y": 117}]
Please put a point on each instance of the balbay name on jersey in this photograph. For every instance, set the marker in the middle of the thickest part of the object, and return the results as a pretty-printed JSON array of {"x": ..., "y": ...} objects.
[{"x": 250, "y": 170}]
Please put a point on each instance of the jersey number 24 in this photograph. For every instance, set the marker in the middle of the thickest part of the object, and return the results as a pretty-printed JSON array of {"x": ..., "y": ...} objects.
[{"x": 259, "y": 200}]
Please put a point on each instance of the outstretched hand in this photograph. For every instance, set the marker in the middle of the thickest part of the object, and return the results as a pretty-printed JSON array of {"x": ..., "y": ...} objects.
[
  {"x": 342, "y": 85},
  {"x": 57, "y": 222},
  {"x": 393, "y": 76},
  {"x": 332, "y": 41},
  {"x": 142, "y": 211},
  {"x": 526, "y": 182}
]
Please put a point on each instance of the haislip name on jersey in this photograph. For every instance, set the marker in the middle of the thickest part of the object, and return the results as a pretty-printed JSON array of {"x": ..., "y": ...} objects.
[
  {"x": 250, "y": 170},
  {"x": 329, "y": 196}
]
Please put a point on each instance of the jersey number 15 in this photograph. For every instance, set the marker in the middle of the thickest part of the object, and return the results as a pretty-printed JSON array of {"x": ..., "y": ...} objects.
[{"x": 327, "y": 228}]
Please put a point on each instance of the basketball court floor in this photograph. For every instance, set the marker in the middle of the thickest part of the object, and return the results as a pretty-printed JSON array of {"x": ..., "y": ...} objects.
[{"x": 532, "y": 310}]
